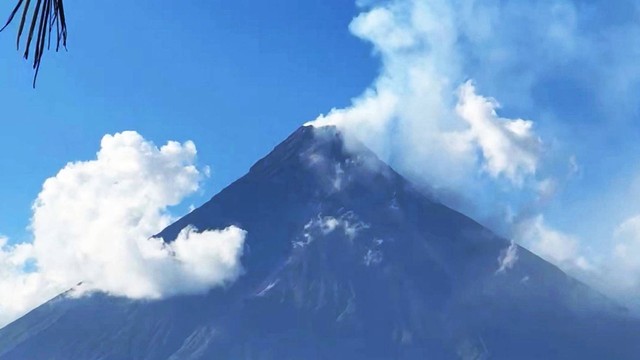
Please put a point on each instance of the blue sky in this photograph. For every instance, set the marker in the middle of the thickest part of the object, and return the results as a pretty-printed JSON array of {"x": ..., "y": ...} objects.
[
  {"x": 234, "y": 77},
  {"x": 554, "y": 165}
]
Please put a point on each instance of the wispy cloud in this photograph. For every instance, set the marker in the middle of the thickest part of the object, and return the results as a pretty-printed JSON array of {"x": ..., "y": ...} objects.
[
  {"x": 508, "y": 258},
  {"x": 347, "y": 224},
  {"x": 554, "y": 246}
]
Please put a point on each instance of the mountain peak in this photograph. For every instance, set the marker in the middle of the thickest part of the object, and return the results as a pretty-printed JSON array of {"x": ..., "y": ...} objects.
[
  {"x": 343, "y": 259},
  {"x": 324, "y": 157},
  {"x": 326, "y": 141}
]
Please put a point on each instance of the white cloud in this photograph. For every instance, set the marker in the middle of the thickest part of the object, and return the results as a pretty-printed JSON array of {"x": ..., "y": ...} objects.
[
  {"x": 348, "y": 223},
  {"x": 622, "y": 268},
  {"x": 193, "y": 263},
  {"x": 614, "y": 269},
  {"x": 92, "y": 223},
  {"x": 20, "y": 291},
  {"x": 508, "y": 258},
  {"x": 417, "y": 113},
  {"x": 554, "y": 246},
  {"x": 627, "y": 248},
  {"x": 509, "y": 147}
]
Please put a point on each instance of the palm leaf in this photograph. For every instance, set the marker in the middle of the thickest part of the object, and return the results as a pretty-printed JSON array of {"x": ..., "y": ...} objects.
[{"x": 46, "y": 16}]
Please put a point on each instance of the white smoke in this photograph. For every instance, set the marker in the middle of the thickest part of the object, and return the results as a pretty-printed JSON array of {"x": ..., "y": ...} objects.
[
  {"x": 93, "y": 222},
  {"x": 509, "y": 147},
  {"x": 422, "y": 115},
  {"x": 431, "y": 111}
]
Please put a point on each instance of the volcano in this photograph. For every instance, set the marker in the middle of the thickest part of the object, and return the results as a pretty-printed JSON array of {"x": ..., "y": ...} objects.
[{"x": 344, "y": 259}]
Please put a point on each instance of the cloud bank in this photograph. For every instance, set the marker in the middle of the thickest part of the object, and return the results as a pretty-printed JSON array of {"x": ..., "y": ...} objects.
[{"x": 93, "y": 222}]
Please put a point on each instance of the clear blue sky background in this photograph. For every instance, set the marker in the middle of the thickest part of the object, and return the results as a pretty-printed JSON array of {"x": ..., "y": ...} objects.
[{"x": 235, "y": 77}]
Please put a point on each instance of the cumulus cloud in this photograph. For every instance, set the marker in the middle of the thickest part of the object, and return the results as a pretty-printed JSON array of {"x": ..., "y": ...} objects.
[
  {"x": 193, "y": 263},
  {"x": 93, "y": 221}
]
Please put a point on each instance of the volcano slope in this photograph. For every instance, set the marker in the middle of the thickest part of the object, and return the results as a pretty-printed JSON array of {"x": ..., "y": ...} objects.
[{"x": 344, "y": 259}]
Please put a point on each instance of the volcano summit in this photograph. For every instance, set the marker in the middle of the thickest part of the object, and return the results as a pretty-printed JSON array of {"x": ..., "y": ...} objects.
[{"x": 343, "y": 259}]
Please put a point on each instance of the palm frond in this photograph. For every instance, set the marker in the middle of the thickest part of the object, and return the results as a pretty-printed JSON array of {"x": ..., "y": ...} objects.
[{"x": 47, "y": 17}]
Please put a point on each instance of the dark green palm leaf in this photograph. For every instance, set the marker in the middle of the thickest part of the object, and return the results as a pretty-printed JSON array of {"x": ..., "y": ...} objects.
[{"x": 46, "y": 15}]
